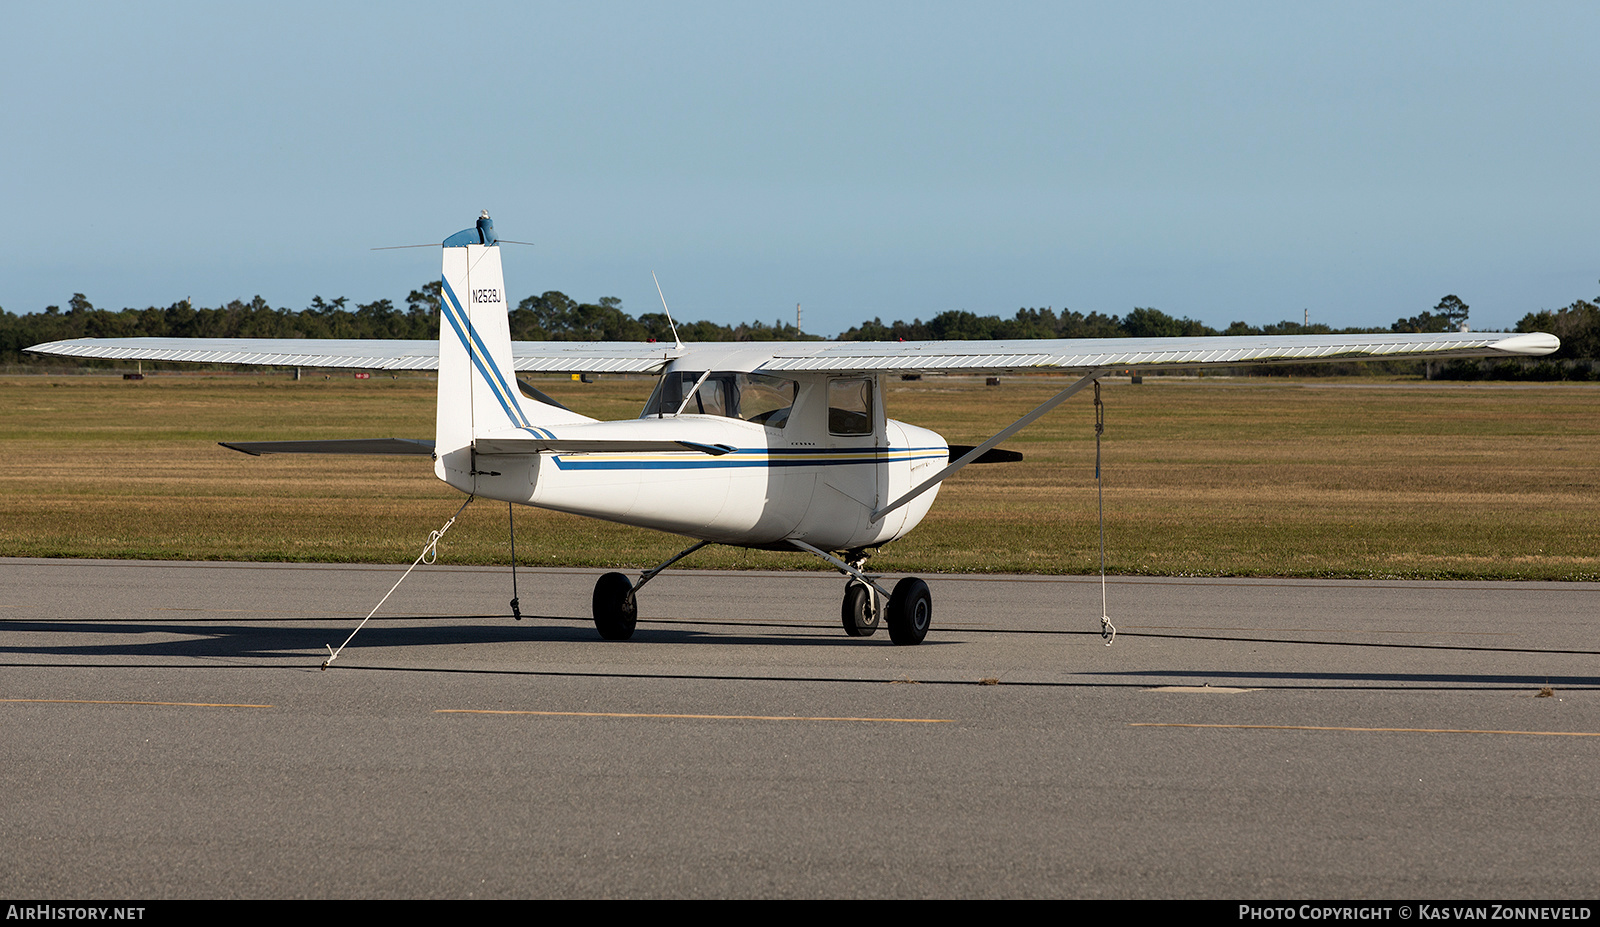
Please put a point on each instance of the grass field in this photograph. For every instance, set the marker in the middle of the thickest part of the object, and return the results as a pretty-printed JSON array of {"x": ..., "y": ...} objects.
[{"x": 1211, "y": 477}]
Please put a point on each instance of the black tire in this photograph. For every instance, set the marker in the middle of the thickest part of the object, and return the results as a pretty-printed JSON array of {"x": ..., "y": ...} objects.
[
  {"x": 615, "y": 610},
  {"x": 860, "y": 619},
  {"x": 910, "y": 611}
]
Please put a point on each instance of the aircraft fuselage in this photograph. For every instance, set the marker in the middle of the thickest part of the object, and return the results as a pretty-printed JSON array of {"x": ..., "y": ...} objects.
[{"x": 807, "y": 467}]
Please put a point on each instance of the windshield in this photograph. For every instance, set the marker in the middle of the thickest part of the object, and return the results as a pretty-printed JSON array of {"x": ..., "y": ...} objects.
[{"x": 752, "y": 397}]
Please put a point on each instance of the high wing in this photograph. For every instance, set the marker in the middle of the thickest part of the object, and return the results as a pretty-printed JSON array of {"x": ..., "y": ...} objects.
[
  {"x": 1098, "y": 353},
  {"x": 364, "y": 354},
  {"x": 830, "y": 356}
]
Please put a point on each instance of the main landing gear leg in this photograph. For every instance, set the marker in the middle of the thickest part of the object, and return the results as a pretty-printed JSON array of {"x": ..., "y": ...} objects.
[
  {"x": 910, "y": 606},
  {"x": 616, "y": 609}
]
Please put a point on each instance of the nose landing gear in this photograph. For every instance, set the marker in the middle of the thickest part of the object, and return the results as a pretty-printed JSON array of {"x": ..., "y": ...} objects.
[{"x": 862, "y": 609}]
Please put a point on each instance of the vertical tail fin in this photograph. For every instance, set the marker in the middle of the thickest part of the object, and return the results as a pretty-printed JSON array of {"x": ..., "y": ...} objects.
[{"x": 477, "y": 384}]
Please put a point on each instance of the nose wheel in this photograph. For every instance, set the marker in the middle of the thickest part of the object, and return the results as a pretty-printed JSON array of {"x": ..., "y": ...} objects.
[{"x": 860, "y": 611}]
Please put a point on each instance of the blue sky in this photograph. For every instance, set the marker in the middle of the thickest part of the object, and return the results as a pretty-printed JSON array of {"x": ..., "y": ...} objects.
[{"x": 1219, "y": 161}]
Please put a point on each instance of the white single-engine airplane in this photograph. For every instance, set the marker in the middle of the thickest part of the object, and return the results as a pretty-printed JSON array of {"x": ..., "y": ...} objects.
[{"x": 772, "y": 446}]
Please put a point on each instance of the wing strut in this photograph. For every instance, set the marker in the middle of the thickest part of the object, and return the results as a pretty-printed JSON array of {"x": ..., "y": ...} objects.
[{"x": 978, "y": 451}]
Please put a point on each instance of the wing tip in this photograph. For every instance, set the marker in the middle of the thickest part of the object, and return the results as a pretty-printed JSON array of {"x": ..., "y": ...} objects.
[{"x": 1532, "y": 344}]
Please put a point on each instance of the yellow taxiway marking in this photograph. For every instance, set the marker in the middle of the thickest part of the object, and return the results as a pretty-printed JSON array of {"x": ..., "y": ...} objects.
[
  {"x": 1373, "y": 730},
  {"x": 91, "y": 701},
  {"x": 629, "y": 714}
]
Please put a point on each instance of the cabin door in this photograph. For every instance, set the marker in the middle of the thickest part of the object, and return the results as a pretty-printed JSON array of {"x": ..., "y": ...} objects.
[{"x": 855, "y": 440}]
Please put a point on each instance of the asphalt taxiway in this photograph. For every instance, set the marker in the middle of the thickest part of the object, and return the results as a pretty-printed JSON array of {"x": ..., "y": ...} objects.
[{"x": 169, "y": 734}]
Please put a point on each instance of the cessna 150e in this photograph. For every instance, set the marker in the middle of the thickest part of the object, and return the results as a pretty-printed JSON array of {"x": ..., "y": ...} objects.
[{"x": 764, "y": 445}]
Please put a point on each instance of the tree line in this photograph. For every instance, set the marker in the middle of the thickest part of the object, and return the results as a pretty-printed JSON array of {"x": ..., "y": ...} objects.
[
  {"x": 551, "y": 316},
  {"x": 554, "y": 316}
]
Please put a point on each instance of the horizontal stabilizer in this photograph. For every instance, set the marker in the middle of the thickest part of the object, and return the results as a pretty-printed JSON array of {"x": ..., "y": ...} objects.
[
  {"x": 992, "y": 455},
  {"x": 416, "y": 446},
  {"x": 531, "y": 445}
]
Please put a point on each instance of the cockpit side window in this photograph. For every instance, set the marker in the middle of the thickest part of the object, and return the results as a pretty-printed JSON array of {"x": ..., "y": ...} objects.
[
  {"x": 752, "y": 397},
  {"x": 766, "y": 400},
  {"x": 709, "y": 399},
  {"x": 850, "y": 406}
]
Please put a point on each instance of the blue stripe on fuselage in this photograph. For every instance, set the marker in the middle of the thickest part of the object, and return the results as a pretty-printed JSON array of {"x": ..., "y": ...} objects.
[{"x": 751, "y": 459}]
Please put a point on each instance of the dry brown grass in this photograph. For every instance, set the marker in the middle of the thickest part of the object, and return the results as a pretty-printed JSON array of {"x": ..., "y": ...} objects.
[{"x": 1203, "y": 477}]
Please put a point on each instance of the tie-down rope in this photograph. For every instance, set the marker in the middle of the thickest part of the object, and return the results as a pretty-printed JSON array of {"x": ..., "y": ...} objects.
[
  {"x": 430, "y": 553},
  {"x": 1107, "y": 629}
]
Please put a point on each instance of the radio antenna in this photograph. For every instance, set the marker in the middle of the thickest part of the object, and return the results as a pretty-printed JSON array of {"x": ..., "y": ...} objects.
[{"x": 678, "y": 341}]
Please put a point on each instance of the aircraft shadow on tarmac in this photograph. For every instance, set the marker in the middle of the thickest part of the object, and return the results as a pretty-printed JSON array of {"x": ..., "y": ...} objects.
[
  {"x": 1406, "y": 679},
  {"x": 296, "y": 642}
]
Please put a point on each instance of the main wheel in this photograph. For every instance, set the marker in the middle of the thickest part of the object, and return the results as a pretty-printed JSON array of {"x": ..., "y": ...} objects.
[
  {"x": 615, "y": 610},
  {"x": 859, "y": 617},
  {"x": 910, "y": 611}
]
